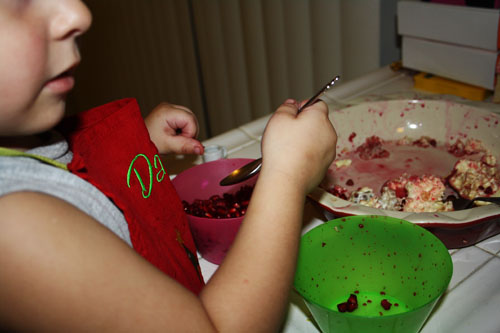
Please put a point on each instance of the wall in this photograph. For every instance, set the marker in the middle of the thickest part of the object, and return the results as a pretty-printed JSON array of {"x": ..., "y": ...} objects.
[{"x": 230, "y": 61}]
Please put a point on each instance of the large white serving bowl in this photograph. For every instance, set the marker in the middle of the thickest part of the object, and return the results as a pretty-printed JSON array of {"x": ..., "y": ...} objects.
[{"x": 442, "y": 120}]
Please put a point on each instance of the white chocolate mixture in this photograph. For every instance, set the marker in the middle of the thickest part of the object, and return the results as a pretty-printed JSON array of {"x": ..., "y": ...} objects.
[{"x": 475, "y": 173}]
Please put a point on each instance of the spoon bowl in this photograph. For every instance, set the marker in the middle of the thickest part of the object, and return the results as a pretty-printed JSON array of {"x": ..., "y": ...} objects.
[{"x": 241, "y": 174}]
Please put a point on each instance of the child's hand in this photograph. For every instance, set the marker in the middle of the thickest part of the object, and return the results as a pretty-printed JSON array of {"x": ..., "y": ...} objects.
[
  {"x": 173, "y": 129},
  {"x": 300, "y": 147}
]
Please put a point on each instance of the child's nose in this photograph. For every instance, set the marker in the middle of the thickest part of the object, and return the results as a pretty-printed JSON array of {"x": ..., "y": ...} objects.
[{"x": 73, "y": 19}]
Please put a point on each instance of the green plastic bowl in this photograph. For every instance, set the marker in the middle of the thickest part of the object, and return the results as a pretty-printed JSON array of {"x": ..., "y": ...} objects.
[{"x": 379, "y": 259}]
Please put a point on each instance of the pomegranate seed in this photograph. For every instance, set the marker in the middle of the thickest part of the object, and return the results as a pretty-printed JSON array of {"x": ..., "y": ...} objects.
[
  {"x": 221, "y": 212},
  {"x": 226, "y": 206},
  {"x": 350, "y": 305},
  {"x": 385, "y": 304},
  {"x": 342, "y": 307},
  {"x": 352, "y": 299}
]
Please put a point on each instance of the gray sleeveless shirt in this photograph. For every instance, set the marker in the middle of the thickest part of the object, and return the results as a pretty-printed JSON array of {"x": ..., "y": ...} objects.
[{"x": 28, "y": 174}]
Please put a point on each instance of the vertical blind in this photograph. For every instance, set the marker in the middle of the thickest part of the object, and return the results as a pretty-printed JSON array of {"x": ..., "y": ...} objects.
[{"x": 230, "y": 61}]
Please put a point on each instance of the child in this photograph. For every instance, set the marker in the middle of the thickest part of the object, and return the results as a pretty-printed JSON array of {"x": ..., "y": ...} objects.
[{"x": 76, "y": 253}]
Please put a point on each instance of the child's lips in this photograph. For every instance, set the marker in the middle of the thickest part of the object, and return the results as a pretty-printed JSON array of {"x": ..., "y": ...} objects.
[{"x": 62, "y": 83}]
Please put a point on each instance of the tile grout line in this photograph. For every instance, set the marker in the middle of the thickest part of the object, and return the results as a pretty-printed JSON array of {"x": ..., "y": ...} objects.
[
  {"x": 487, "y": 251},
  {"x": 250, "y": 134},
  {"x": 240, "y": 147},
  {"x": 475, "y": 270},
  {"x": 228, "y": 133}
]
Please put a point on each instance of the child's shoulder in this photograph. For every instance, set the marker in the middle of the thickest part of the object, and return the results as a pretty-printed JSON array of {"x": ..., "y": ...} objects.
[
  {"x": 30, "y": 207},
  {"x": 30, "y": 217},
  {"x": 21, "y": 177}
]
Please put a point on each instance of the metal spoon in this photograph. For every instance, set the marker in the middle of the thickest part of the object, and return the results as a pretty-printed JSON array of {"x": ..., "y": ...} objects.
[
  {"x": 252, "y": 168},
  {"x": 461, "y": 203}
]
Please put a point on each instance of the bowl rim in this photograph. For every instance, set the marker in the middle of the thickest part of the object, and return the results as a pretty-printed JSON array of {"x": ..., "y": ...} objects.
[{"x": 454, "y": 219}]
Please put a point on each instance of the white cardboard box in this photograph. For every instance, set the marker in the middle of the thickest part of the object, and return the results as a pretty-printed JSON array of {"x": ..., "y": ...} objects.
[
  {"x": 463, "y": 25},
  {"x": 465, "y": 64}
]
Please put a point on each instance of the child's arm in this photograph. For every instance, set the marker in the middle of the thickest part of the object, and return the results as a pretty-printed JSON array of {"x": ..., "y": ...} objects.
[
  {"x": 62, "y": 269},
  {"x": 173, "y": 129},
  {"x": 258, "y": 271}
]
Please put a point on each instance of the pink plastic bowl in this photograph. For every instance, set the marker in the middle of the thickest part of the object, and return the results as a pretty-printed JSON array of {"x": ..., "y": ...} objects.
[{"x": 213, "y": 237}]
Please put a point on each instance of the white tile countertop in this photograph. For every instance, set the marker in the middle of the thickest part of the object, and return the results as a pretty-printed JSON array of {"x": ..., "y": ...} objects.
[{"x": 472, "y": 300}]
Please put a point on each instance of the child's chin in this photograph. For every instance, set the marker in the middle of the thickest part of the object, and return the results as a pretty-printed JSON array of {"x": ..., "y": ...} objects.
[{"x": 46, "y": 123}]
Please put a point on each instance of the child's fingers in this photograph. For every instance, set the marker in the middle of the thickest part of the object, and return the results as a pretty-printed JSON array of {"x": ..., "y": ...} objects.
[
  {"x": 179, "y": 119},
  {"x": 319, "y": 105},
  {"x": 188, "y": 123},
  {"x": 184, "y": 145},
  {"x": 290, "y": 106},
  {"x": 182, "y": 107},
  {"x": 186, "y": 127}
]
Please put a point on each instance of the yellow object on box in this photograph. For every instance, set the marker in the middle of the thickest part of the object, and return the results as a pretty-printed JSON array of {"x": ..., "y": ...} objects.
[{"x": 440, "y": 85}]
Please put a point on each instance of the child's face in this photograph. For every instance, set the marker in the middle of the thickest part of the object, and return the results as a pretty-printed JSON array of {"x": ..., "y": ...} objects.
[{"x": 37, "y": 53}]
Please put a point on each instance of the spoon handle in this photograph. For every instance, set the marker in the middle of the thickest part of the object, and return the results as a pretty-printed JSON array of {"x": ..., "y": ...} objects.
[{"x": 313, "y": 99}]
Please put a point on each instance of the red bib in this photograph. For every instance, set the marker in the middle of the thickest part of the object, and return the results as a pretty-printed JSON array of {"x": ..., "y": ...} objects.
[{"x": 113, "y": 151}]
